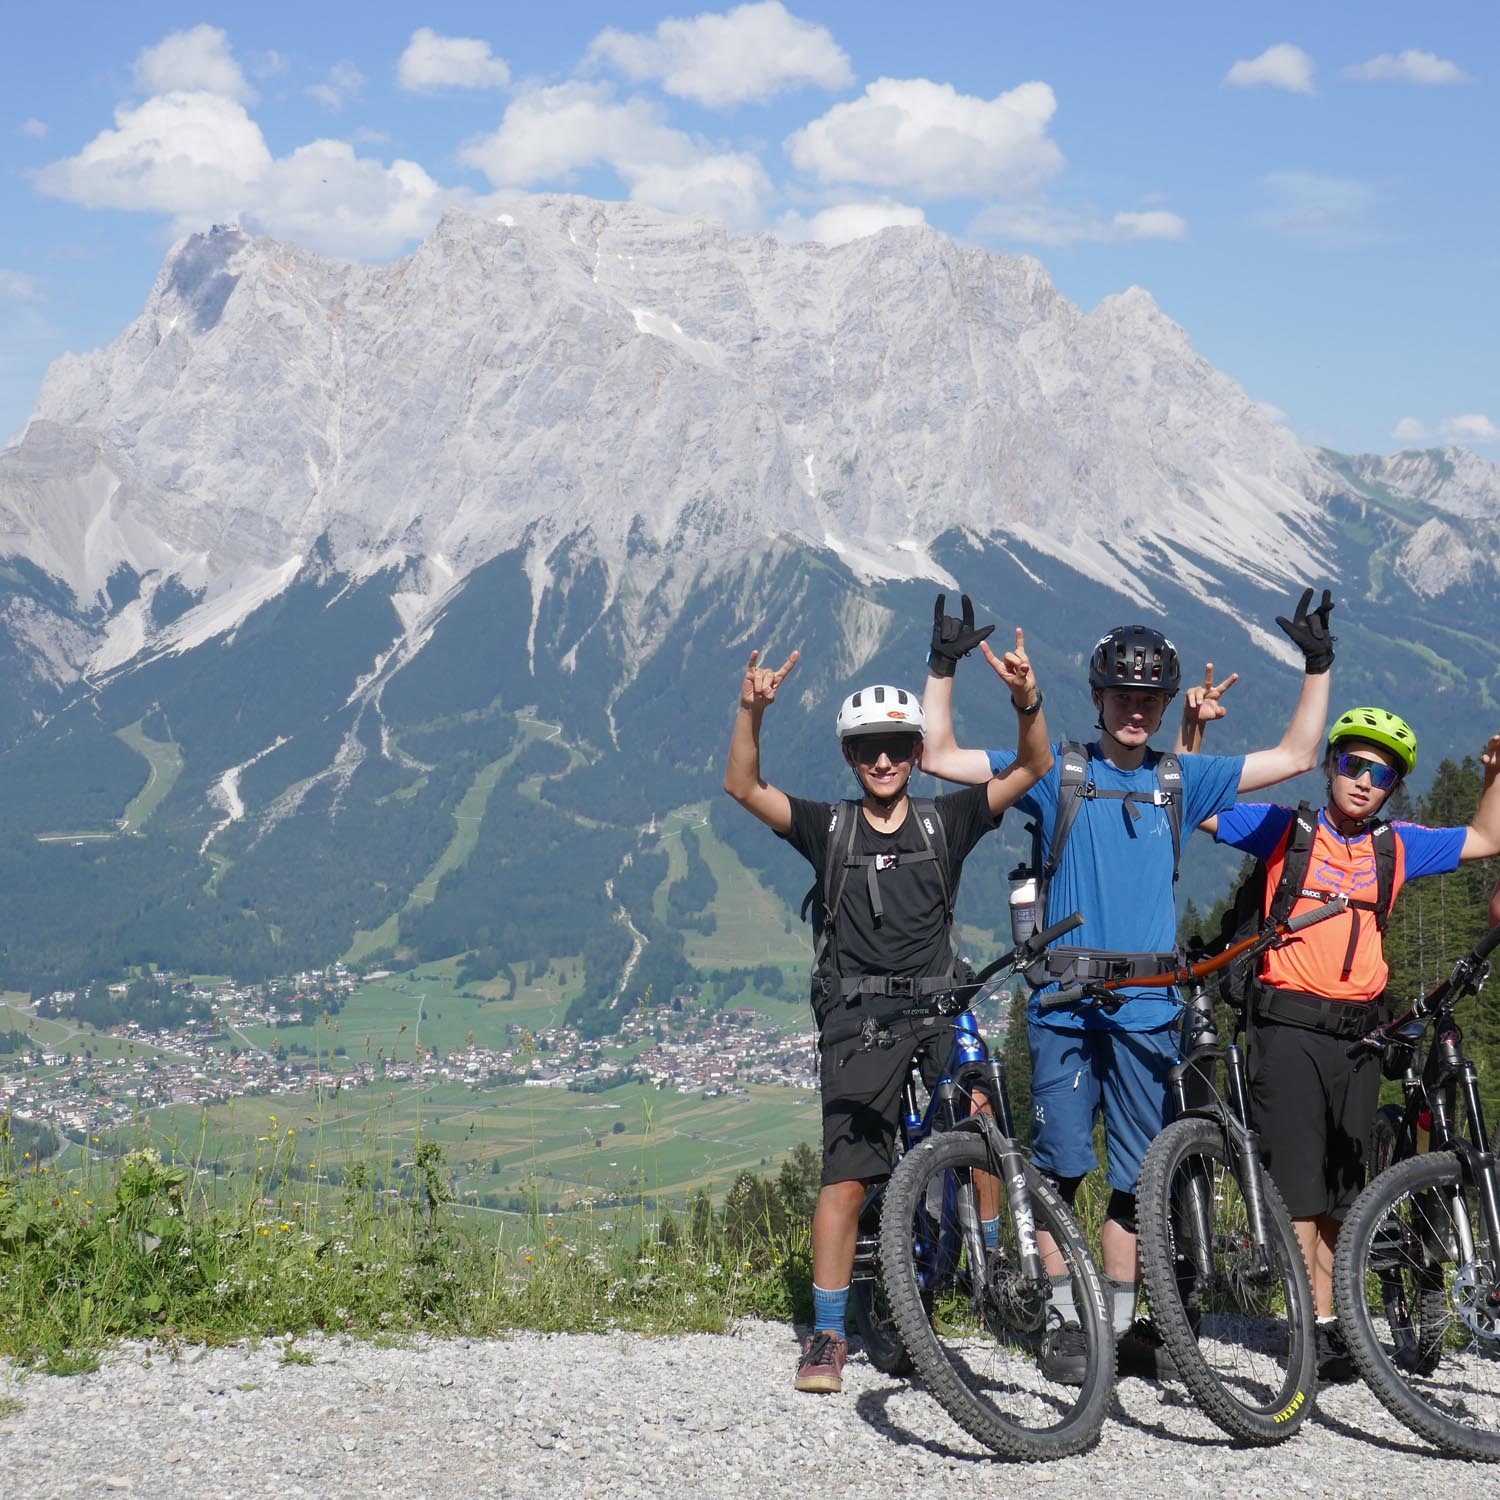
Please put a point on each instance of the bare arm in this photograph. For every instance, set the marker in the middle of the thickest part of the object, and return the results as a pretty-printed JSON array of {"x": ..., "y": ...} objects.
[
  {"x": 742, "y": 778},
  {"x": 1300, "y": 745},
  {"x": 1483, "y": 838},
  {"x": 1033, "y": 749},
  {"x": 941, "y": 753}
]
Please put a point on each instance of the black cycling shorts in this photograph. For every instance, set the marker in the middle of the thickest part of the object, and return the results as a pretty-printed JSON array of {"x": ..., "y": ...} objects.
[
  {"x": 1314, "y": 1108},
  {"x": 862, "y": 1097}
]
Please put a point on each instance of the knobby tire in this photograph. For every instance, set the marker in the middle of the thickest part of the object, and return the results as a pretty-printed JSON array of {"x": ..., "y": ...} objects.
[
  {"x": 980, "y": 1363},
  {"x": 1400, "y": 1289},
  {"x": 1242, "y": 1338}
]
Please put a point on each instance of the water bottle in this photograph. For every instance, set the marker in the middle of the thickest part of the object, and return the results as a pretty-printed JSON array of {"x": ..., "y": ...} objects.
[{"x": 1022, "y": 904}]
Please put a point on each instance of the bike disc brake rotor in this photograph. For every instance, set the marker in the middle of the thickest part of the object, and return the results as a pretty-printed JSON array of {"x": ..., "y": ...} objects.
[
  {"x": 1019, "y": 1302},
  {"x": 1474, "y": 1285}
]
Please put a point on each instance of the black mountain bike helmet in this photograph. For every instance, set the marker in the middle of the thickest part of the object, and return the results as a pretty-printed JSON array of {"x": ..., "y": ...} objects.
[{"x": 1134, "y": 656}]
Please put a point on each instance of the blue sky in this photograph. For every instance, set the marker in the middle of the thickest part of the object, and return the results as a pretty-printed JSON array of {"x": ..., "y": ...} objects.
[{"x": 1309, "y": 190}]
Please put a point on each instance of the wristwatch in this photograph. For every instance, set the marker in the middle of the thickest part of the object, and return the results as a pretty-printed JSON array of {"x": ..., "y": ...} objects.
[{"x": 1031, "y": 709}]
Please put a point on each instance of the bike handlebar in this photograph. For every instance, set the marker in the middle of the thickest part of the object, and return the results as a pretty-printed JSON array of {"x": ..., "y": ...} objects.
[
  {"x": 1272, "y": 935},
  {"x": 1460, "y": 977}
]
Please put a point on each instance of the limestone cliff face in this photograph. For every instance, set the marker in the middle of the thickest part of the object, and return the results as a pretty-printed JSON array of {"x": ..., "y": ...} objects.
[{"x": 647, "y": 391}]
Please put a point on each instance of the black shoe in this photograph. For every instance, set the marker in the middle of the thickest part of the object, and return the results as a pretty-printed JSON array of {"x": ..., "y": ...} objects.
[
  {"x": 1064, "y": 1358},
  {"x": 1335, "y": 1365},
  {"x": 1140, "y": 1352}
]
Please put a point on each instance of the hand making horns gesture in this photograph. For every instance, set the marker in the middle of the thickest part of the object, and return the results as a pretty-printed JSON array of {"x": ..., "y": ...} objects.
[
  {"x": 1014, "y": 670},
  {"x": 759, "y": 689}
]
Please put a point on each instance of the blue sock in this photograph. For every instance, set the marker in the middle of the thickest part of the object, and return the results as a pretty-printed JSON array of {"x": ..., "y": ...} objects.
[
  {"x": 991, "y": 1228},
  {"x": 828, "y": 1309}
]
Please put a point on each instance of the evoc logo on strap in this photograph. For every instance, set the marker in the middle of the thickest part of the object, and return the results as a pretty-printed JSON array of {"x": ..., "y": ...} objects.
[{"x": 931, "y": 831}]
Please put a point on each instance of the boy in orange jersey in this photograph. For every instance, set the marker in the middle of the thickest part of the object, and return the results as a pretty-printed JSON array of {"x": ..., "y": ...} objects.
[{"x": 1314, "y": 1106}]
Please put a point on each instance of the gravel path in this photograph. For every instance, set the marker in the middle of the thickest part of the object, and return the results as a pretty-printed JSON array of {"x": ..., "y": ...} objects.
[{"x": 624, "y": 1416}]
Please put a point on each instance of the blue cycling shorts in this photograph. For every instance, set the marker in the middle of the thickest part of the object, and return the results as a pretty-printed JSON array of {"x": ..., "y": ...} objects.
[{"x": 1076, "y": 1076}]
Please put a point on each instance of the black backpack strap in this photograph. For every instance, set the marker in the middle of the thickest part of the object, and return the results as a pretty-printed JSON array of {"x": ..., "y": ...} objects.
[
  {"x": 1297, "y": 848},
  {"x": 841, "y": 830},
  {"x": 935, "y": 837},
  {"x": 1383, "y": 841},
  {"x": 1074, "y": 784},
  {"x": 1169, "y": 779}
]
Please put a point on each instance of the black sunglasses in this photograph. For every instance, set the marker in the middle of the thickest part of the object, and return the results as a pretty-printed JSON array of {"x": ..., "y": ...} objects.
[
  {"x": 1382, "y": 777},
  {"x": 867, "y": 749}
]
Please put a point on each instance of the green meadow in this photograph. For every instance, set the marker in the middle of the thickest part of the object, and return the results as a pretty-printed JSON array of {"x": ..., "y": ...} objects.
[{"x": 545, "y": 1145}]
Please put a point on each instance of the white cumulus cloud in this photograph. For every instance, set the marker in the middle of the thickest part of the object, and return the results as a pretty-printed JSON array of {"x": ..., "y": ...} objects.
[
  {"x": 34, "y": 129},
  {"x": 842, "y": 222},
  {"x": 1410, "y": 430},
  {"x": 1039, "y": 222},
  {"x": 325, "y": 196},
  {"x": 1280, "y": 67},
  {"x": 1410, "y": 66},
  {"x": 199, "y": 158},
  {"x": 548, "y": 134},
  {"x": 195, "y": 61},
  {"x": 449, "y": 62},
  {"x": 750, "y": 52},
  {"x": 929, "y": 139},
  {"x": 180, "y": 153}
]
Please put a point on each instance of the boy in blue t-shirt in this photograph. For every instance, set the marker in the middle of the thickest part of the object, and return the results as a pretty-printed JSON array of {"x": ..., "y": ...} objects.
[{"x": 1118, "y": 869}]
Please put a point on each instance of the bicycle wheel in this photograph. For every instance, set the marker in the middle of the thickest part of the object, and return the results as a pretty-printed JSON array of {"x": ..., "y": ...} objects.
[
  {"x": 973, "y": 1323},
  {"x": 1414, "y": 1270},
  {"x": 1239, "y": 1325}
]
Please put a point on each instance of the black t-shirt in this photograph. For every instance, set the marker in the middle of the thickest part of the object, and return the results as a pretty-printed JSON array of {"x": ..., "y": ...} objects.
[{"x": 911, "y": 938}]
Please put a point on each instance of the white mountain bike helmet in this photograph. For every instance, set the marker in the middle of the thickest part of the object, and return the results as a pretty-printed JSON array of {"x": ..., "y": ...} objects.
[{"x": 881, "y": 709}]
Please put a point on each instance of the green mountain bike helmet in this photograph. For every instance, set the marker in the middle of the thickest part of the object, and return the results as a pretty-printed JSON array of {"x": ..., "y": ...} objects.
[{"x": 1378, "y": 726}]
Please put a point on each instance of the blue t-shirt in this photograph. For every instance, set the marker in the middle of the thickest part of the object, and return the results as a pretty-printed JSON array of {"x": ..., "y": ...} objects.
[{"x": 1117, "y": 870}]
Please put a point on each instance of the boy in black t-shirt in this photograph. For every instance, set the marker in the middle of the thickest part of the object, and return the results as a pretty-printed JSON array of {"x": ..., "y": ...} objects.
[{"x": 892, "y": 921}]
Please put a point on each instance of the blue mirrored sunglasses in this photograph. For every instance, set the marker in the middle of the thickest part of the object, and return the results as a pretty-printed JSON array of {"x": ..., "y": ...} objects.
[{"x": 1382, "y": 778}]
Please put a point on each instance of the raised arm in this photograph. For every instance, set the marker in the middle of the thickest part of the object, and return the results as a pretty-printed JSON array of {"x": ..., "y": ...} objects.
[
  {"x": 1299, "y": 748},
  {"x": 1033, "y": 749},
  {"x": 1483, "y": 838},
  {"x": 742, "y": 778},
  {"x": 952, "y": 638}
]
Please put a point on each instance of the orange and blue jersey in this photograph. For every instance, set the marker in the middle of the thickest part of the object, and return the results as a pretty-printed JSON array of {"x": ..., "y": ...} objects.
[{"x": 1314, "y": 962}]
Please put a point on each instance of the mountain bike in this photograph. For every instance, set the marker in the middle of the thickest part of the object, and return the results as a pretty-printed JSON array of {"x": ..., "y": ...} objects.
[
  {"x": 1417, "y": 1269},
  {"x": 971, "y": 1318},
  {"x": 1224, "y": 1275}
]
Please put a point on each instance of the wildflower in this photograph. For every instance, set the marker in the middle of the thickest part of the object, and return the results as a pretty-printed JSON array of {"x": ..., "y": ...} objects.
[
  {"x": 221, "y": 1289},
  {"x": 264, "y": 1230}
]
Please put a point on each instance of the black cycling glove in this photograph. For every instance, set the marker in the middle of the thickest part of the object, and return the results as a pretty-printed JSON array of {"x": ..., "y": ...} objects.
[
  {"x": 1309, "y": 632},
  {"x": 952, "y": 638}
]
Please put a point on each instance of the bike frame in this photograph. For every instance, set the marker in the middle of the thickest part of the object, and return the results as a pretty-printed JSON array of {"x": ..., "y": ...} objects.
[
  {"x": 973, "y": 1071},
  {"x": 1202, "y": 1050}
]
